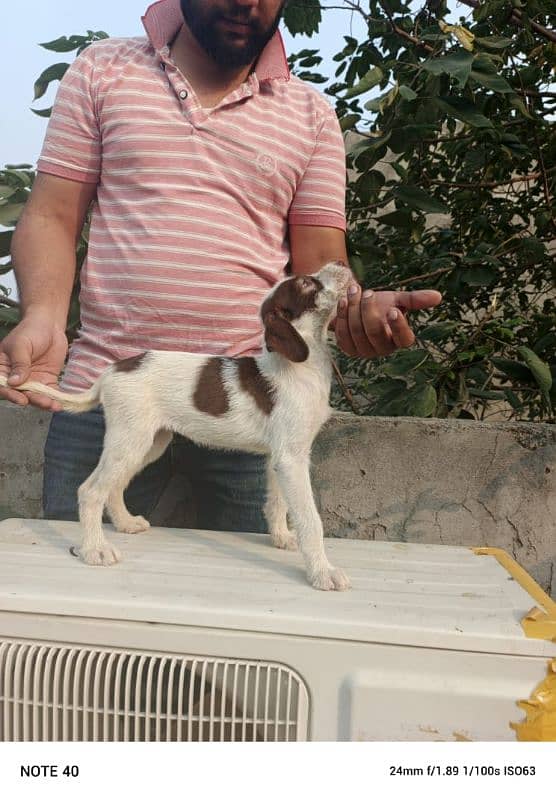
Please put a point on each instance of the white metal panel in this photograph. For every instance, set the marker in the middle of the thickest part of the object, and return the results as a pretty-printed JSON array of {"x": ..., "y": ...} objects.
[
  {"x": 269, "y": 701},
  {"x": 410, "y": 594}
]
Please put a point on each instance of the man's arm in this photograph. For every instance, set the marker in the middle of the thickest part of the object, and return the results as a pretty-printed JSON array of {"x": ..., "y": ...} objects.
[
  {"x": 44, "y": 243},
  {"x": 43, "y": 254},
  {"x": 313, "y": 246}
]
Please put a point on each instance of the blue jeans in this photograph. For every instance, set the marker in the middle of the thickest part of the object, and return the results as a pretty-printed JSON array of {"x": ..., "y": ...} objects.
[{"x": 229, "y": 488}]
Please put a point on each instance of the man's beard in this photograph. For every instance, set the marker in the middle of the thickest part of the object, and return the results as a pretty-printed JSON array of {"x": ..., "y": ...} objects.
[{"x": 202, "y": 24}]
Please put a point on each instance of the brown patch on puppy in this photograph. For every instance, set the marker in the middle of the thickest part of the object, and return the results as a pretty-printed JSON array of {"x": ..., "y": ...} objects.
[
  {"x": 293, "y": 297},
  {"x": 282, "y": 337},
  {"x": 252, "y": 381},
  {"x": 129, "y": 364},
  {"x": 210, "y": 394}
]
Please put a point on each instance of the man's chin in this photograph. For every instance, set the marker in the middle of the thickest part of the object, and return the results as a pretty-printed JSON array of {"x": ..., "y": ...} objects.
[{"x": 234, "y": 56}]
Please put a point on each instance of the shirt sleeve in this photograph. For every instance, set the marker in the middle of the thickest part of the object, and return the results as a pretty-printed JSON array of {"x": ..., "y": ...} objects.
[
  {"x": 320, "y": 196},
  {"x": 71, "y": 147}
]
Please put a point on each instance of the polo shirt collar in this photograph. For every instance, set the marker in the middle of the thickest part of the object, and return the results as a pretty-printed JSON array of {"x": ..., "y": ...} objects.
[{"x": 163, "y": 19}]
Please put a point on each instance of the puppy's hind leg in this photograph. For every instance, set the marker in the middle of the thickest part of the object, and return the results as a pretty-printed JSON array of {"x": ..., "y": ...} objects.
[
  {"x": 120, "y": 516},
  {"x": 122, "y": 457}
]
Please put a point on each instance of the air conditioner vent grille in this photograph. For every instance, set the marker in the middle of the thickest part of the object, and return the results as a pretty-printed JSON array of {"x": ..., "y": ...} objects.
[{"x": 53, "y": 692}]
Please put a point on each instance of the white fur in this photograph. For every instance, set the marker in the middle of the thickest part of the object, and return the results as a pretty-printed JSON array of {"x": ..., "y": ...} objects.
[{"x": 144, "y": 407}]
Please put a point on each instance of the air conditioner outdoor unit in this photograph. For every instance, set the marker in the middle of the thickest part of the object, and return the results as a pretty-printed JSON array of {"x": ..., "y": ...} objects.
[{"x": 198, "y": 635}]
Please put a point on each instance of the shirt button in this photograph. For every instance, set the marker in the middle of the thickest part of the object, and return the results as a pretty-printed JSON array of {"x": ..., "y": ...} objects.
[{"x": 183, "y": 94}]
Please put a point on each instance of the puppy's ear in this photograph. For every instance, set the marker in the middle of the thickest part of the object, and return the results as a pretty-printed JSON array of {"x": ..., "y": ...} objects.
[{"x": 281, "y": 336}]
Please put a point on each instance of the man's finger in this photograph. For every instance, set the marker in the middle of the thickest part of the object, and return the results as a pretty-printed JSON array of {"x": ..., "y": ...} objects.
[
  {"x": 14, "y": 397},
  {"x": 375, "y": 330},
  {"x": 341, "y": 329},
  {"x": 363, "y": 344},
  {"x": 43, "y": 402},
  {"x": 20, "y": 355},
  {"x": 402, "y": 334},
  {"x": 418, "y": 299}
]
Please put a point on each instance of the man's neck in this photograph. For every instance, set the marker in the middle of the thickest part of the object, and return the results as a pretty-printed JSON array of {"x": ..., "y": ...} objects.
[{"x": 210, "y": 81}]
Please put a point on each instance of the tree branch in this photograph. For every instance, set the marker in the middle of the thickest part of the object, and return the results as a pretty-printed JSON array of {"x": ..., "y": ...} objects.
[
  {"x": 533, "y": 176},
  {"x": 416, "y": 278},
  {"x": 517, "y": 18}
]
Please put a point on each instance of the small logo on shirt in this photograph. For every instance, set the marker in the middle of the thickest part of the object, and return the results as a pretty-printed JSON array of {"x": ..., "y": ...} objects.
[{"x": 266, "y": 164}]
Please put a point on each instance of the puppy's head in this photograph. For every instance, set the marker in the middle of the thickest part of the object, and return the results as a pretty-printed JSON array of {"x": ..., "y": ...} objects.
[{"x": 299, "y": 309}]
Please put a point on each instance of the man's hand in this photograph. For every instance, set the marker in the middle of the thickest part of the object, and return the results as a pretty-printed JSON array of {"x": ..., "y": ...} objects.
[
  {"x": 372, "y": 324},
  {"x": 34, "y": 351}
]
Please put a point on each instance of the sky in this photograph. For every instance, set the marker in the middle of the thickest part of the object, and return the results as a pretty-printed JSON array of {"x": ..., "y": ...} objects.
[{"x": 26, "y": 23}]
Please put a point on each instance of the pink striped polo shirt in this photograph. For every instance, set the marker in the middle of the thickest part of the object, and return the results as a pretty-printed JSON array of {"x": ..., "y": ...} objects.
[{"x": 189, "y": 226}]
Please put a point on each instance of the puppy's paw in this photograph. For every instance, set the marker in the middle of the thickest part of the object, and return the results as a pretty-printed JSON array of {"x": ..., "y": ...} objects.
[
  {"x": 103, "y": 556},
  {"x": 330, "y": 579},
  {"x": 284, "y": 541},
  {"x": 132, "y": 525}
]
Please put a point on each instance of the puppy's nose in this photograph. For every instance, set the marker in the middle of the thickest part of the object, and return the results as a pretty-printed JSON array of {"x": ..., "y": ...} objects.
[{"x": 337, "y": 274}]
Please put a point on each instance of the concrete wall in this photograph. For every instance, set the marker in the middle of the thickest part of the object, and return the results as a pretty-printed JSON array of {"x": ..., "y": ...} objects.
[{"x": 399, "y": 479}]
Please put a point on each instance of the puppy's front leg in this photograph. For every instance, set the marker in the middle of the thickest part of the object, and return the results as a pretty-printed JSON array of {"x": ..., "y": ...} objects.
[
  {"x": 275, "y": 511},
  {"x": 292, "y": 472}
]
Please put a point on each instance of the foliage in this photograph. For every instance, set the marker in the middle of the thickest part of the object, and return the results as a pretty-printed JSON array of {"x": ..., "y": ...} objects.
[
  {"x": 451, "y": 177},
  {"x": 16, "y": 182},
  {"x": 452, "y": 166}
]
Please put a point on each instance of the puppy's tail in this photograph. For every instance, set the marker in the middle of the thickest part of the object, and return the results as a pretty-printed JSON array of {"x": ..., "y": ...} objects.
[{"x": 76, "y": 403}]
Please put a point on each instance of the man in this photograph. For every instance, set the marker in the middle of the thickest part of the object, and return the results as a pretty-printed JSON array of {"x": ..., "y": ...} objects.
[{"x": 208, "y": 167}]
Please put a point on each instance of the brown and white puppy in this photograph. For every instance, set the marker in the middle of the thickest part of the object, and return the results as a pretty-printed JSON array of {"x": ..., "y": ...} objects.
[{"x": 273, "y": 404}]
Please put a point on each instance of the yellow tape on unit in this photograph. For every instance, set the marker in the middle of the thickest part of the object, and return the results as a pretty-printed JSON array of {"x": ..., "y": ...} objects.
[
  {"x": 538, "y": 623},
  {"x": 540, "y": 722}
]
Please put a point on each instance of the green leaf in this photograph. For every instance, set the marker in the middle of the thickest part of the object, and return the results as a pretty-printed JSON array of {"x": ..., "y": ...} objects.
[
  {"x": 54, "y": 73},
  {"x": 407, "y": 93},
  {"x": 372, "y": 78},
  {"x": 518, "y": 104},
  {"x": 9, "y": 213},
  {"x": 357, "y": 265},
  {"x": 417, "y": 198},
  {"x": 493, "y": 42},
  {"x": 513, "y": 369},
  {"x": 8, "y": 315},
  {"x": 486, "y": 73},
  {"x": 539, "y": 368},
  {"x": 310, "y": 61},
  {"x": 421, "y": 401},
  {"x": 313, "y": 77},
  {"x": 349, "y": 121},
  {"x": 43, "y": 112},
  {"x": 456, "y": 64},
  {"x": 405, "y": 361},
  {"x": 64, "y": 44},
  {"x": 6, "y": 191},
  {"x": 397, "y": 219},
  {"x": 464, "y": 110},
  {"x": 5, "y": 243},
  {"x": 383, "y": 102},
  {"x": 438, "y": 331},
  {"x": 369, "y": 143},
  {"x": 302, "y": 17},
  {"x": 546, "y": 342},
  {"x": 478, "y": 276},
  {"x": 513, "y": 399},
  {"x": 487, "y": 394}
]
